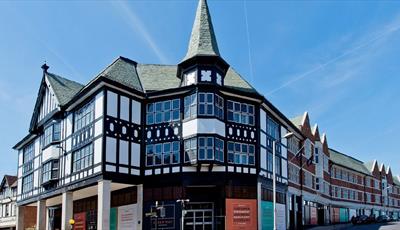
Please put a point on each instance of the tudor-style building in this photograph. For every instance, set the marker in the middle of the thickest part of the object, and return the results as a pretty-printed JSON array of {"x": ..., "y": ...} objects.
[
  {"x": 8, "y": 204},
  {"x": 139, "y": 137},
  {"x": 309, "y": 176}
]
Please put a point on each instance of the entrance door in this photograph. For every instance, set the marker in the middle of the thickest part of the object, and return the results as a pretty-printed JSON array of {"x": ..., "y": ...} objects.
[
  {"x": 199, "y": 216},
  {"x": 55, "y": 218}
]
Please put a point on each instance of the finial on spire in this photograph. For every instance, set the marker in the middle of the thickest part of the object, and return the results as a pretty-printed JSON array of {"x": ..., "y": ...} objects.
[{"x": 45, "y": 67}]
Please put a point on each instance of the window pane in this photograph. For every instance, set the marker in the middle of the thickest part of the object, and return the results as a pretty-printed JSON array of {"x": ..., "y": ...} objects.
[{"x": 175, "y": 104}]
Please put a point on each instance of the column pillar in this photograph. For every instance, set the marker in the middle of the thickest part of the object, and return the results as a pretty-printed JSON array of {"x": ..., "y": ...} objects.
[
  {"x": 139, "y": 199},
  {"x": 103, "y": 204},
  {"x": 259, "y": 210},
  {"x": 41, "y": 215},
  {"x": 20, "y": 218},
  {"x": 66, "y": 210}
]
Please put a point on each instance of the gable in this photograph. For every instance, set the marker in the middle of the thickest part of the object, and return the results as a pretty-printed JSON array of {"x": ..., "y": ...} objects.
[
  {"x": 306, "y": 128},
  {"x": 389, "y": 176},
  {"x": 54, "y": 92},
  {"x": 315, "y": 133},
  {"x": 46, "y": 103}
]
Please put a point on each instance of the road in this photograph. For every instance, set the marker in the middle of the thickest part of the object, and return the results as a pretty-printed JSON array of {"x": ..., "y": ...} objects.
[{"x": 386, "y": 226}]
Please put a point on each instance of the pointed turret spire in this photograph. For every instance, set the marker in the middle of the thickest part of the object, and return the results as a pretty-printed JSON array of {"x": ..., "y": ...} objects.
[{"x": 202, "y": 40}]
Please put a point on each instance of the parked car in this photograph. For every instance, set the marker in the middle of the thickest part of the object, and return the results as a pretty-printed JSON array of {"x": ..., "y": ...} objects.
[
  {"x": 395, "y": 218},
  {"x": 382, "y": 219},
  {"x": 362, "y": 219}
]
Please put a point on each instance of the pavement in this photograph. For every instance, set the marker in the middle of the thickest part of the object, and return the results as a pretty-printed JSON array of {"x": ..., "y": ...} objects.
[{"x": 384, "y": 226}]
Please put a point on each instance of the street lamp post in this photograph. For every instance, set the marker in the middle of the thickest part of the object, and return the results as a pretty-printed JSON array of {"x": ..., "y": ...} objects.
[
  {"x": 274, "y": 174},
  {"x": 183, "y": 202}
]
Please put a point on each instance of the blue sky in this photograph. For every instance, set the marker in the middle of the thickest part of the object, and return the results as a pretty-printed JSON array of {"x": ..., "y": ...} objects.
[{"x": 337, "y": 60}]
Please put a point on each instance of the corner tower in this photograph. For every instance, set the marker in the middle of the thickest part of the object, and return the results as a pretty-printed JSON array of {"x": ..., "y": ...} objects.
[{"x": 203, "y": 63}]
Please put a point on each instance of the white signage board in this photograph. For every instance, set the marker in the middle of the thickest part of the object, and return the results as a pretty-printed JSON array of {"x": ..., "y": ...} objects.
[
  {"x": 280, "y": 216},
  {"x": 127, "y": 217}
]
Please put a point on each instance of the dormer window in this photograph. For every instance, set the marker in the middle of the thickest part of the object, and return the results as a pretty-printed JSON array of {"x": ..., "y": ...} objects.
[
  {"x": 206, "y": 75},
  {"x": 219, "y": 79},
  {"x": 190, "y": 78}
]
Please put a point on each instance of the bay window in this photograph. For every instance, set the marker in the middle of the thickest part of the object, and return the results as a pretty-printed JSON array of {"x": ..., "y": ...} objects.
[
  {"x": 52, "y": 133},
  {"x": 50, "y": 171},
  {"x": 204, "y": 148},
  {"x": 203, "y": 104}
]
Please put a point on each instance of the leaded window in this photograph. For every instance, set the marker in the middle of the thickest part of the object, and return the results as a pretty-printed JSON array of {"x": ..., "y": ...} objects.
[
  {"x": 52, "y": 134},
  {"x": 240, "y": 113},
  {"x": 273, "y": 129},
  {"x": 84, "y": 116},
  {"x": 219, "y": 150},
  {"x": 191, "y": 150},
  {"x": 50, "y": 171},
  {"x": 206, "y": 104},
  {"x": 240, "y": 153},
  {"x": 27, "y": 183},
  {"x": 28, "y": 156},
  {"x": 163, "y": 111},
  {"x": 206, "y": 148},
  {"x": 162, "y": 153},
  {"x": 82, "y": 158},
  {"x": 203, "y": 104}
]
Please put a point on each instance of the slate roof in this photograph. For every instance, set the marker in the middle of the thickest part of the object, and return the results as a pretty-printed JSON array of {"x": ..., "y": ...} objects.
[
  {"x": 11, "y": 181},
  {"x": 202, "y": 40},
  {"x": 298, "y": 121},
  {"x": 396, "y": 180},
  {"x": 158, "y": 77},
  {"x": 64, "y": 89},
  {"x": 348, "y": 162},
  {"x": 369, "y": 165},
  {"x": 162, "y": 77},
  {"x": 123, "y": 71}
]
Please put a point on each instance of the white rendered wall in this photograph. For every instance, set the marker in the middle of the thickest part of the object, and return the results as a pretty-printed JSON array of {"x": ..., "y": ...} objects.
[{"x": 206, "y": 126}]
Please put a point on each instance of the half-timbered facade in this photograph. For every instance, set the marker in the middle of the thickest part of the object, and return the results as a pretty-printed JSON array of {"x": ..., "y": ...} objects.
[
  {"x": 139, "y": 137},
  {"x": 8, "y": 204}
]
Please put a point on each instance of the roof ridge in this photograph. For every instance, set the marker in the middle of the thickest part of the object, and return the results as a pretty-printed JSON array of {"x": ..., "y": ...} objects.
[{"x": 336, "y": 151}]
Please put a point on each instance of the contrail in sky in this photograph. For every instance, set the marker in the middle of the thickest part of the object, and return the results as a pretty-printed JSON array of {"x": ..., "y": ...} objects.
[
  {"x": 136, "y": 24},
  {"x": 389, "y": 30}
]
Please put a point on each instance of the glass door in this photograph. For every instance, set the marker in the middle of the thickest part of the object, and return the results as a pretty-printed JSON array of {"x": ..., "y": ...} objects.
[{"x": 199, "y": 216}]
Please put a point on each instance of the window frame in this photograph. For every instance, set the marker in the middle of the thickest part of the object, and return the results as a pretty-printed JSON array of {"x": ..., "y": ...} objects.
[
  {"x": 153, "y": 112},
  {"x": 83, "y": 156}
]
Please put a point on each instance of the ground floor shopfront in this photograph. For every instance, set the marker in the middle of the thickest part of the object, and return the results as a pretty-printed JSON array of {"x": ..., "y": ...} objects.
[
  {"x": 240, "y": 202},
  {"x": 90, "y": 207}
]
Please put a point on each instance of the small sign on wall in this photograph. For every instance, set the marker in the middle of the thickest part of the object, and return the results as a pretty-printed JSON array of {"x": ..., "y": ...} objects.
[
  {"x": 127, "y": 217},
  {"x": 80, "y": 221},
  {"x": 241, "y": 214}
]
